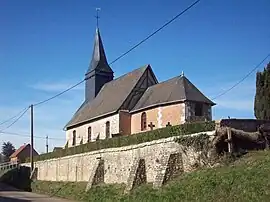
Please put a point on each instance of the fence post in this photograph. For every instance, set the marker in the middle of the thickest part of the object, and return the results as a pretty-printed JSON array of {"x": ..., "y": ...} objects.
[{"x": 229, "y": 140}]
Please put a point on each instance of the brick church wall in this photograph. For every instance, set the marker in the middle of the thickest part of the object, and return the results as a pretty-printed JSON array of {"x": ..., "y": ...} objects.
[
  {"x": 159, "y": 116},
  {"x": 124, "y": 122}
]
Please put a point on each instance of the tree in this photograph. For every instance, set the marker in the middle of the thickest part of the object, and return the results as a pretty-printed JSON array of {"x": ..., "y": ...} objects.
[
  {"x": 262, "y": 97},
  {"x": 7, "y": 150}
]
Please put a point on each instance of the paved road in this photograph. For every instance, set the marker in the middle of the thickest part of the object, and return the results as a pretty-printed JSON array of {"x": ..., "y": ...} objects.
[{"x": 9, "y": 194}]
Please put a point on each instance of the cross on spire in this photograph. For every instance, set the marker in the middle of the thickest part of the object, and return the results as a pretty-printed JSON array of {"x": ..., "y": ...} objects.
[{"x": 97, "y": 16}]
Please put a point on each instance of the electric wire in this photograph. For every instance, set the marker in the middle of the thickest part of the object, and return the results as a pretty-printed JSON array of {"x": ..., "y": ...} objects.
[
  {"x": 16, "y": 120},
  {"x": 125, "y": 53},
  {"x": 61, "y": 93},
  {"x": 155, "y": 32},
  {"x": 13, "y": 117},
  {"x": 241, "y": 80},
  {"x": 24, "y": 135}
]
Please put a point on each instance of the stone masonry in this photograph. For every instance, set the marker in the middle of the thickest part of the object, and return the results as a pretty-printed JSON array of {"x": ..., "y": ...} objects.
[
  {"x": 96, "y": 174},
  {"x": 117, "y": 162},
  {"x": 137, "y": 175},
  {"x": 170, "y": 166}
]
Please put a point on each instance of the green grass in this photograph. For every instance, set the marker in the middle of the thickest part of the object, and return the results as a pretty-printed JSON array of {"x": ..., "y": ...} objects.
[{"x": 247, "y": 179}]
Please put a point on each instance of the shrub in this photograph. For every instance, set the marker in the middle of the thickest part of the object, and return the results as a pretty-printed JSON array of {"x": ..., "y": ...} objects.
[{"x": 121, "y": 141}]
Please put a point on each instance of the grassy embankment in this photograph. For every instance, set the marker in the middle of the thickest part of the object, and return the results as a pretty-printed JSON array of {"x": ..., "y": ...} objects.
[{"x": 247, "y": 179}]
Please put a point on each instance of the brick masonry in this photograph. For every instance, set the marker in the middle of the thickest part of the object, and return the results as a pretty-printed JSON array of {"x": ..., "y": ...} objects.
[
  {"x": 118, "y": 162},
  {"x": 159, "y": 116}
]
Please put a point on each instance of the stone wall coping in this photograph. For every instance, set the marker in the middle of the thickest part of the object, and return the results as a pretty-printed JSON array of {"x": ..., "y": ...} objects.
[{"x": 126, "y": 148}]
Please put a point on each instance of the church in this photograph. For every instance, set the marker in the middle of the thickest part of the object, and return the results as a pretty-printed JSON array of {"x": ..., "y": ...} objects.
[{"x": 132, "y": 103}]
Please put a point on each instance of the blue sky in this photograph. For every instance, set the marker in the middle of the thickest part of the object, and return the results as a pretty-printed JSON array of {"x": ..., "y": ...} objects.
[{"x": 45, "y": 47}]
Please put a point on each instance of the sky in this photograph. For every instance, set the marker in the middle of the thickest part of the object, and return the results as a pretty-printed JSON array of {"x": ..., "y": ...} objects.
[{"x": 46, "y": 47}]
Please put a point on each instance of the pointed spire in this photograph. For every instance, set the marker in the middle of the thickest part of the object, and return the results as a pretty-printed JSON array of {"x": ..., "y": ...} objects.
[
  {"x": 99, "y": 71},
  {"x": 99, "y": 60}
]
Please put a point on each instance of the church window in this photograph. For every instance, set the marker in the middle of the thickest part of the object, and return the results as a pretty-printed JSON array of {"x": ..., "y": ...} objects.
[
  {"x": 198, "y": 109},
  {"x": 143, "y": 121},
  {"x": 107, "y": 129},
  {"x": 89, "y": 134},
  {"x": 74, "y": 138}
]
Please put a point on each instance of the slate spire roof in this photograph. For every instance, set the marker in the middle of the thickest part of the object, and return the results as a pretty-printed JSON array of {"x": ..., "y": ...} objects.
[
  {"x": 99, "y": 60},
  {"x": 173, "y": 90}
]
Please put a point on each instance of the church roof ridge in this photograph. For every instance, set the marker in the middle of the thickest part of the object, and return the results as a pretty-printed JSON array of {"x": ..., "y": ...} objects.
[
  {"x": 125, "y": 74},
  {"x": 110, "y": 98},
  {"x": 175, "y": 89}
]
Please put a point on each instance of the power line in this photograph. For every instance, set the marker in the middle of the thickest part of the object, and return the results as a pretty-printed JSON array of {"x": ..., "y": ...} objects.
[
  {"x": 240, "y": 81},
  {"x": 159, "y": 29},
  {"x": 125, "y": 53},
  {"x": 42, "y": 102},
  {"x": 24, "y": 135},
  {"x": 13, "y": 117},
  {"x": 16, "y": 120}
]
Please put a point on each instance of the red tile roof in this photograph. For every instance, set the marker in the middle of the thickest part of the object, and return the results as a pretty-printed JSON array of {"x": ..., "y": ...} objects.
[{"x": 18, "y": 151}]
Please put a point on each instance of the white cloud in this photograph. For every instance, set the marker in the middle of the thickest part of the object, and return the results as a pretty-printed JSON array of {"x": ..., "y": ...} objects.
[
  {"x": 56, "y": 86},
  {"x": 240, "y": 105},
  {"x": 240, "y": 98},
  {"x": 49, "y": 119}
]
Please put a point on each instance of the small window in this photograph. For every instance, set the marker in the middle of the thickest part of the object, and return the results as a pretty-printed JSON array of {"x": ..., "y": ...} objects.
[
  {"x": 198, "y": 109},
  {"x": 89, "y": 134},
  {"x": 74, "y": 138},
  {"x": 143, "y": 121},
  {"x": 107, "y": 129}
]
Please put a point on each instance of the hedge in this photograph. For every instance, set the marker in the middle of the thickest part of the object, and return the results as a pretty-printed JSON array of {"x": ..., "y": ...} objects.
[{"x": 184, "y": 129}]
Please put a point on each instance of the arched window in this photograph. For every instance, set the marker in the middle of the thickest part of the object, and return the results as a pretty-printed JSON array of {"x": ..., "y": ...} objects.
[
  {"x": 89, "y": 133},
  {"x": 107, "y": 129},
  {"x": 143, "y": 121},
  {"x": 74, "y": 138}
]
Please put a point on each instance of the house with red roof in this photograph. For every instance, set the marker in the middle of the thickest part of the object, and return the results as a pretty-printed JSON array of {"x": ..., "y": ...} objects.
[{"x": 22, "y": 153}]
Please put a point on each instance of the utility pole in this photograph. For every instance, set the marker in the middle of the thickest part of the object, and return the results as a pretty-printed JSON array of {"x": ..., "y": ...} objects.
[
  {"x": 32, "y": 136},
  {"x": 47, "y": 145}
]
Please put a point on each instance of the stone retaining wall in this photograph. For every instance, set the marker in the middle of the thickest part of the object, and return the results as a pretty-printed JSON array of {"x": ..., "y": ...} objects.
[{"x": 118, "y": 162}]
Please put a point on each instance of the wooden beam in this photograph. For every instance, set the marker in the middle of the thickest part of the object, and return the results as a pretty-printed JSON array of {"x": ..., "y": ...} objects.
[{"x": 229, "y": 140}]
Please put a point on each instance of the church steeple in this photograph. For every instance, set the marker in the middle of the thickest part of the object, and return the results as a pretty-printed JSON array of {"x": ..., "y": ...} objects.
[
  {"x": 99, "y": 60},
  {"x": 99, "y": 71}
]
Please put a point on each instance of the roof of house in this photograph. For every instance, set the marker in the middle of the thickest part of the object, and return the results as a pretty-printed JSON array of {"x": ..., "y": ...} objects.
[
  {"x": 110, "y": 98},
  {"x": 18, "y": 151},
  {"x": 176, "y": 89}
]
